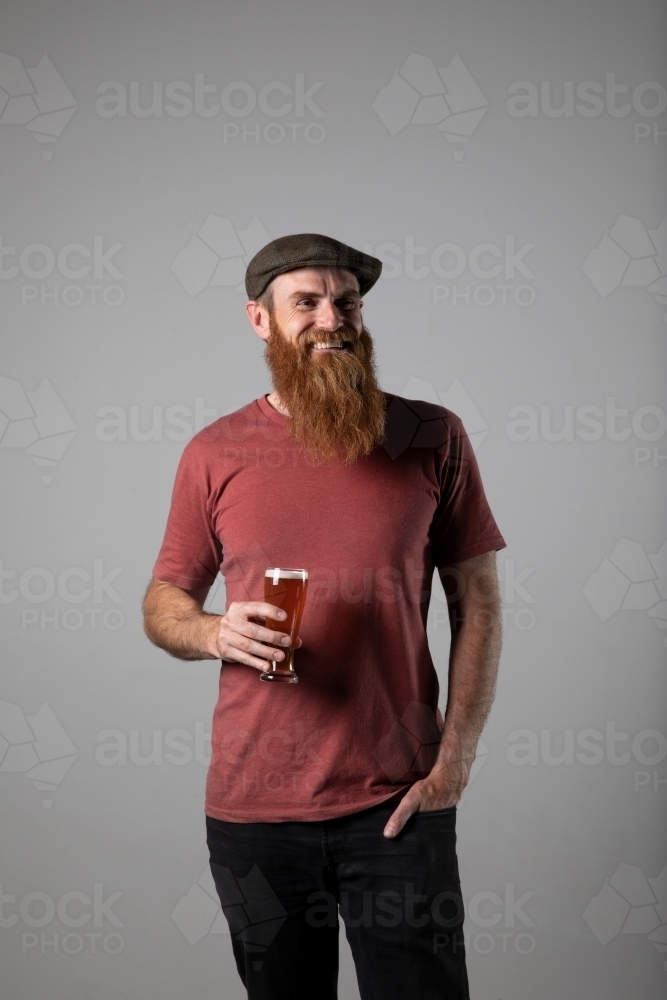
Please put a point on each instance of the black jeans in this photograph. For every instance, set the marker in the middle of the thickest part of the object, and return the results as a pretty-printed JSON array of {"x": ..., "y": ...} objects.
[{"x": 281, "y": 886}]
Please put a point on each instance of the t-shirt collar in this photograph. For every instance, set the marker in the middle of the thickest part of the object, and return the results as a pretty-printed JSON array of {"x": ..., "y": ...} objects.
[{"x": 270, "y": 411}]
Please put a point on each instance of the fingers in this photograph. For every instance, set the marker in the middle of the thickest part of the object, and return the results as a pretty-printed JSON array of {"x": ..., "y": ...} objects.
[
  {"x": 260, "y": 608},
  {"x": 235, "y": 645},
  {"x": 240, "y": 638},
  {"x": 408, "y": 805},
  {"x": 252, "y": 654},
  {"x": 259, "y": 633}
]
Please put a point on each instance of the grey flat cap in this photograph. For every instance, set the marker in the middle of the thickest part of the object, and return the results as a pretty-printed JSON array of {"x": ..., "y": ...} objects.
[{"x": 308, "y": 250}]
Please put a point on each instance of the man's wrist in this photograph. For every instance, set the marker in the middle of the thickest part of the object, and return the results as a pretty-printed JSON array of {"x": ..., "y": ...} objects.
[
  {"x": 445, "y": 764},
  {"x": 211, "y": 631},
  {"x": 455, "y": 749}
]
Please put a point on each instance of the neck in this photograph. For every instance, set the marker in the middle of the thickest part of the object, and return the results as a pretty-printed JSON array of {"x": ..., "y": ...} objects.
[{"x": 274, "y": 400}]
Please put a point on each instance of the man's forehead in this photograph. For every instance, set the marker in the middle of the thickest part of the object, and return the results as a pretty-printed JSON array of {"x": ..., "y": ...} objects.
[{"x": 317, "y": 281}]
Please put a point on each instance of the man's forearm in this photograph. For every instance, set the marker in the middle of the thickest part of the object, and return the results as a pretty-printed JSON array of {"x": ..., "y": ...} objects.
[
  {"x": 175, "y": 621},
  {"x": 473, "y": 670}
]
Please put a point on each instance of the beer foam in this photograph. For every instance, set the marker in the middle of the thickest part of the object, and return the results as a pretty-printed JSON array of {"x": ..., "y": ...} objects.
[{"x": 287, "y": 574}]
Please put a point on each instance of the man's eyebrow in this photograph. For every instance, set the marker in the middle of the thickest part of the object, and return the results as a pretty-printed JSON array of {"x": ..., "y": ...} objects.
[{"x": 317, "y": 295}]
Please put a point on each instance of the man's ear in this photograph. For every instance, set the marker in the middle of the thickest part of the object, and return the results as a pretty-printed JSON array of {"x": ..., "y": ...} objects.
[{"x": 259, "y": 319}]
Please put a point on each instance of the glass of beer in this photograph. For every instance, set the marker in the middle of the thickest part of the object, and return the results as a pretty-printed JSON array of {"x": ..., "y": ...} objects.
[{"x": 286, "y": 589}]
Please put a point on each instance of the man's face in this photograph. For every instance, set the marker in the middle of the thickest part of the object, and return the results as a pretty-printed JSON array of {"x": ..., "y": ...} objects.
[
  {"x": 323, "y": 299},
  {"x": 320, "y": 357}
]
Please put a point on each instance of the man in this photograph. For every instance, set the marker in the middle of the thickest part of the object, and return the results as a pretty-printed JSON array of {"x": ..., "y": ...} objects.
[{"x": 338, "y": 792}]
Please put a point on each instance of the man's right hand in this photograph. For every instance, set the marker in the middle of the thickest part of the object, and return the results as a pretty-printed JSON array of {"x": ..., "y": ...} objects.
[
  {"x": 237, "y": 637},
  {"x": 175, "y": 620}
]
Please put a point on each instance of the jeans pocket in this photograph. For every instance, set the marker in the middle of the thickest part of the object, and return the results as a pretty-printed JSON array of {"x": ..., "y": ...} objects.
[{"x": 436, "y": 812}]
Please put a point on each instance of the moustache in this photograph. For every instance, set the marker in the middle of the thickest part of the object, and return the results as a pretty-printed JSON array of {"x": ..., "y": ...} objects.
[{"x": 345, "y": 339}]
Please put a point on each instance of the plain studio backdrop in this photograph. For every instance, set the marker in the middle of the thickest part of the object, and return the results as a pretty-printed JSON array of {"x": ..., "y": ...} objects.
[{"x": 505, "y": 159}]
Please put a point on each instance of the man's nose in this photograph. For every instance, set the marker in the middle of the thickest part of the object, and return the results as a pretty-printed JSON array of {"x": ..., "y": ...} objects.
[{"x": 328, "y": 316}]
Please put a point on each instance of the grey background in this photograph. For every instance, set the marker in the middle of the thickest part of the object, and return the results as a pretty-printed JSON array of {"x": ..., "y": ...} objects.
[{"x": 558, "y": 832}]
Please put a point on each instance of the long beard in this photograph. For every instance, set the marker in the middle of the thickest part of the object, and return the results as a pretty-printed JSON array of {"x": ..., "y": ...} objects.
[{"x": 336, "y": 407}]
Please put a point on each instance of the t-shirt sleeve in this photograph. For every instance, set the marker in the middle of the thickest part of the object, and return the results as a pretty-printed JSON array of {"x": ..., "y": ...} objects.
[
  {"x": 463, "y": 526},
  {"x": 191, "y": 554}
]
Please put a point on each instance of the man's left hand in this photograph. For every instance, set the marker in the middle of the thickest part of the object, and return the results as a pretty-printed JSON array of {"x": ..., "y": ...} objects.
[{"x": 443, "y": 788}]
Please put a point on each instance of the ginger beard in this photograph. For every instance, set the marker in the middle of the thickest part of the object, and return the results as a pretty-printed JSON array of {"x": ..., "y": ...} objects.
[{"x": 336, "y": 407}]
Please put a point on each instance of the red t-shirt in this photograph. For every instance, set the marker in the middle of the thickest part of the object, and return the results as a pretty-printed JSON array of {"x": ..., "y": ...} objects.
[{"x": 360, "y": 726}]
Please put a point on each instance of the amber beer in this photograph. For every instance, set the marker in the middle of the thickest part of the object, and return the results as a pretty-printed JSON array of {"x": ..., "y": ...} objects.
[{"x": 286, "y": 589}]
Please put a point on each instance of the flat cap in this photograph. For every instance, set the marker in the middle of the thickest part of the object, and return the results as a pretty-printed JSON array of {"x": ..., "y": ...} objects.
[{"x": 308, "y": 250}]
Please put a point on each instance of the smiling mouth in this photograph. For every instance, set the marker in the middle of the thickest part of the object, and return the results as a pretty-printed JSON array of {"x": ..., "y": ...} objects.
[{"x": 332, "y": 346}]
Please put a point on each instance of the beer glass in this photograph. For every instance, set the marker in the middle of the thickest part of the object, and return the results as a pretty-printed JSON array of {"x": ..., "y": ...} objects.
[{"x": 286, "y": 589}]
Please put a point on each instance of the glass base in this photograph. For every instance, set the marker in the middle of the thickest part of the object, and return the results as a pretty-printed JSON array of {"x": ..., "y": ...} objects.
[{"x": 286, "y": 676}]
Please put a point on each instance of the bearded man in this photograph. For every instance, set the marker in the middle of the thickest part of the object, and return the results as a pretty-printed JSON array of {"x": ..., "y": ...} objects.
[{"x": 339, "y": 793}]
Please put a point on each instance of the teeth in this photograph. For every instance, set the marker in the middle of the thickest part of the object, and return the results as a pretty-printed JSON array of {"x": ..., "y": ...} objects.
[{"x": 319, "y": 347}]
